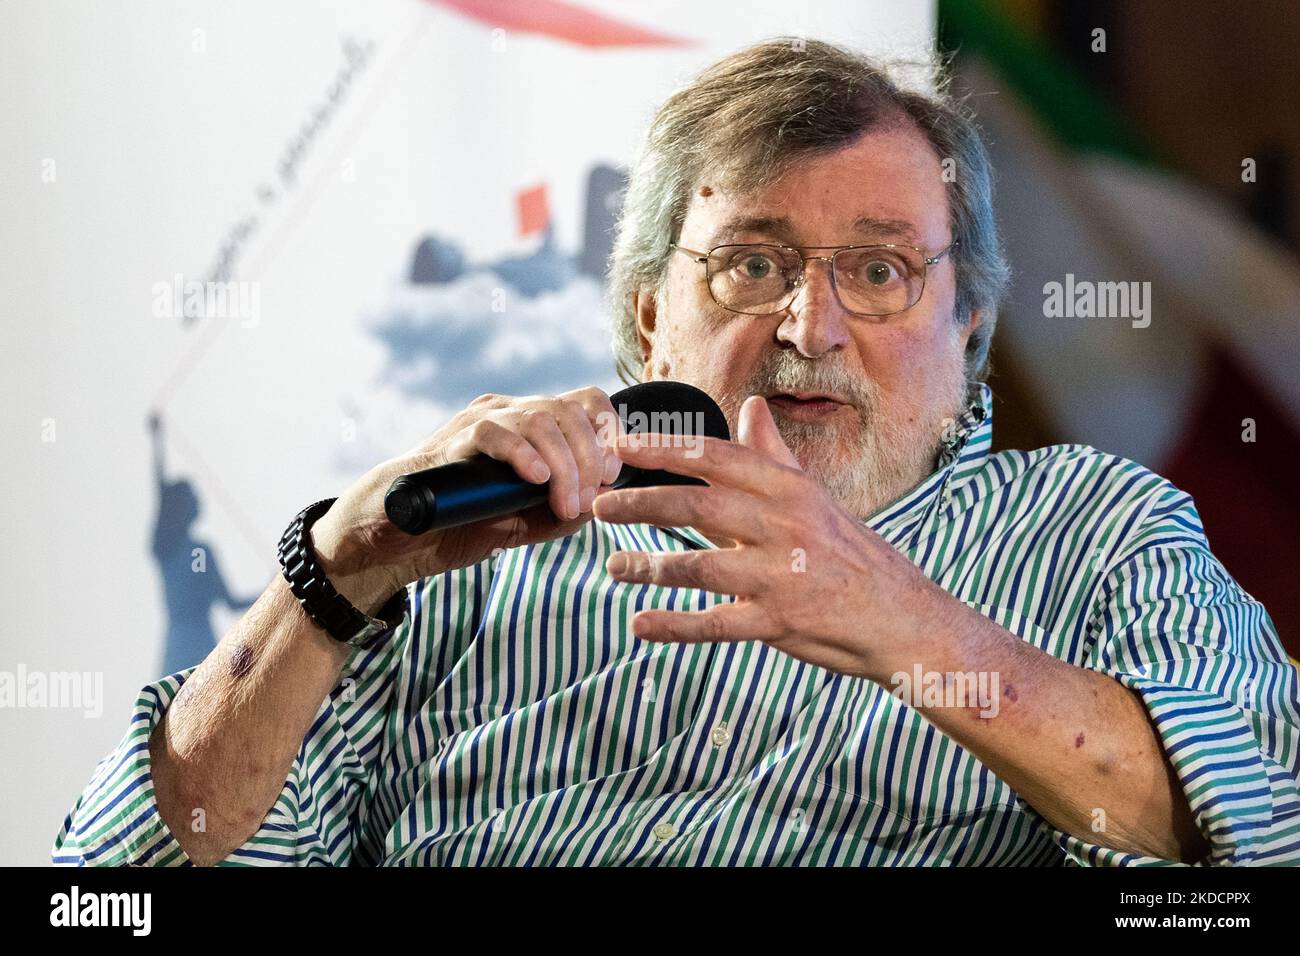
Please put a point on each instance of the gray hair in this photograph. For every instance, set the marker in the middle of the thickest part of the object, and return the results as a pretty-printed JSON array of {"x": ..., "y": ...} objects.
[{"x": 749, "y": 116}]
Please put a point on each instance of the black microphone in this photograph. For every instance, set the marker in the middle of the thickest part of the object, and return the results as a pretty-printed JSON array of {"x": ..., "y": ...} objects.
[{"x": 482, "y": 487}]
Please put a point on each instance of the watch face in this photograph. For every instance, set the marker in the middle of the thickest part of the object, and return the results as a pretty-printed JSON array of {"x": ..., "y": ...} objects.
[{"x": 329, "y": 609}]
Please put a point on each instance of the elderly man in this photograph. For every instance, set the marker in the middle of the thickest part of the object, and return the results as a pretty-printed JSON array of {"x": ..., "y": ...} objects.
[{"x": 865, "y": 640}]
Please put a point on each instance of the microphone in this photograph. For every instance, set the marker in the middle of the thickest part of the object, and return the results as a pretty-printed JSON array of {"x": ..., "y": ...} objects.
[{"x": 481, "y": 487}]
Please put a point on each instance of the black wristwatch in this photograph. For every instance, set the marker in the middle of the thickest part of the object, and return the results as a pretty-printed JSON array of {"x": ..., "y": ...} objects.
[{"x": 332, "y": 611}]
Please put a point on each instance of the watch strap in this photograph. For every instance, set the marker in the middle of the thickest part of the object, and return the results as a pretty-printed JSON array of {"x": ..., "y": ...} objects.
[{"x": 334, "y": 613}]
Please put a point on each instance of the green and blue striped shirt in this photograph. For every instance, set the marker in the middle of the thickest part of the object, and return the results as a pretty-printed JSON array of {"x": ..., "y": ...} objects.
[{"x": 515, "y": 720}]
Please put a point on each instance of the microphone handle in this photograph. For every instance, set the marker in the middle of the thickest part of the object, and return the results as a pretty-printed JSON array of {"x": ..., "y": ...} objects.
[
  {"x": 461, "y": 492},
  {"x": 457, "y": 493}
]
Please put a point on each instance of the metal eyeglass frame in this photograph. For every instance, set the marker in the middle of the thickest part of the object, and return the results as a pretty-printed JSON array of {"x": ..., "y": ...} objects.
[{"x": 927, "y": 261}]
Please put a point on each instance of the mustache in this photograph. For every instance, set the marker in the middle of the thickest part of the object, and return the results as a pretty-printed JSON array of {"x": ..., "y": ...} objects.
[{"x": 782, "y": 371}]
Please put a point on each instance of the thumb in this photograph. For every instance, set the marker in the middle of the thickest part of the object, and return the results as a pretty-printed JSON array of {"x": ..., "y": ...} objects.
[{"x": 758, "y": 431}]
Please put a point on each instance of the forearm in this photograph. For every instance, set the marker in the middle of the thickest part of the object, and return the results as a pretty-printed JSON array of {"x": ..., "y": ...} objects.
[
  {"x": 1077, "y": 745},
  {"x": 222, "y": 752}
]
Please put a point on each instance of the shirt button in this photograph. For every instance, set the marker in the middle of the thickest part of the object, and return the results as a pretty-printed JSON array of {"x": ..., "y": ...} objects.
[
  {"x": 721, "y": 735},
  {"x": 664, "y": 831}
]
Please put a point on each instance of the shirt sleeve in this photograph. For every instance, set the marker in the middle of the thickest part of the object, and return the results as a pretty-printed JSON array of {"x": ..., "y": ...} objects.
[
  {"x": 116, "y": 822},
  {"x": 1203, "y": 656}
]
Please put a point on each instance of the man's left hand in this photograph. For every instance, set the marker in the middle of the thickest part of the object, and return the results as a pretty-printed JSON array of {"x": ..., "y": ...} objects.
[{"x": 808, "y": 577}]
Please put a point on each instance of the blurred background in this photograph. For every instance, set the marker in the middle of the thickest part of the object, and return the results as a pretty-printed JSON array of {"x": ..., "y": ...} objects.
[{"x": 405, "y": 203}]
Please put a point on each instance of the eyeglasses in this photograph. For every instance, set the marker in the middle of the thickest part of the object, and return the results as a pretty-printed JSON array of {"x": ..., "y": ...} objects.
[{"x": 763, "y": 278}]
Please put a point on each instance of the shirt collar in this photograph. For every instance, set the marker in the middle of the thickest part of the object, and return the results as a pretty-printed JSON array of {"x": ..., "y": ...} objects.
[{"x": 964, "y": 448}]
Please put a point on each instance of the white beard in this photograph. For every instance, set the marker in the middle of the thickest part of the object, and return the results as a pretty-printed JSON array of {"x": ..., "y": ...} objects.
[
  {"x": 872, "y": 468},
  {"x": 893, "y": 447}
]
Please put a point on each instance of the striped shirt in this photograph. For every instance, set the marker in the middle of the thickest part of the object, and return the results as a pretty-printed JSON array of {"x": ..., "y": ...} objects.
[{"x": 514, "y": 719}]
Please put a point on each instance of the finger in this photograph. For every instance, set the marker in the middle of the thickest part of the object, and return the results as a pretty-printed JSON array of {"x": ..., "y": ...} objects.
[
  {"x": 717, "y": 461},
  {"x": 757, "y": 429},
  {"x": 722, "y": 623},
  {"x": 587, "y": 453},
  {"x": 716, "y": 509},
  {"x": 533, "y": 525},
  {"x": 722, "y": 571},
  {"x": 497, "y": 441},
  {"x": 608, "y": 424},
  {"x": 543, "y": 432}
]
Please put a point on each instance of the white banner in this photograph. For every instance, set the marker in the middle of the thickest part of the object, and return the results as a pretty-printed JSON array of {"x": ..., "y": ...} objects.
[{"x": 250, "y": 250}]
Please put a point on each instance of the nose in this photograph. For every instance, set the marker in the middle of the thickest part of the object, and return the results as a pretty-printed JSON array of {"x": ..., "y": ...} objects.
[{"x": 815, "y": 323}]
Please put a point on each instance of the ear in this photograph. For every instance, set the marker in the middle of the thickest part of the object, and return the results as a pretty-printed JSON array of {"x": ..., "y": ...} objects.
[
  {"x": 644, "y": 310},
  {"x": 972, "y": 324}
]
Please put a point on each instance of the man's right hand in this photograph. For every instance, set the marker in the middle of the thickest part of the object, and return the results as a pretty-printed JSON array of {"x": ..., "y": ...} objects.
[
  {"x": 228, "y": 741},
  {"x": 564, "y": 439}
]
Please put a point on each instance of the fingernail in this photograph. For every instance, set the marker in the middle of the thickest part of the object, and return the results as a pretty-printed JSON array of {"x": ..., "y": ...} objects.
[
  {"x": 574, "y": 510},
  {"x": 588, "y": 496},
  {"x": 540, "y": 471},
  {"x": 616, "y": 563},
  {"x": 612, "y": 467}
]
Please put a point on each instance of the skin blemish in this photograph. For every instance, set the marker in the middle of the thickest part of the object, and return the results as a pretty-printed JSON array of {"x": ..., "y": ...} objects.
[
  {"x": 1010, "y": 693},
  {"x": 241, "y": 661},
  {"x": 706, "y": 191},
  {"x": 1078, "y": 741},
  {"x": 190, "y": 688}
]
